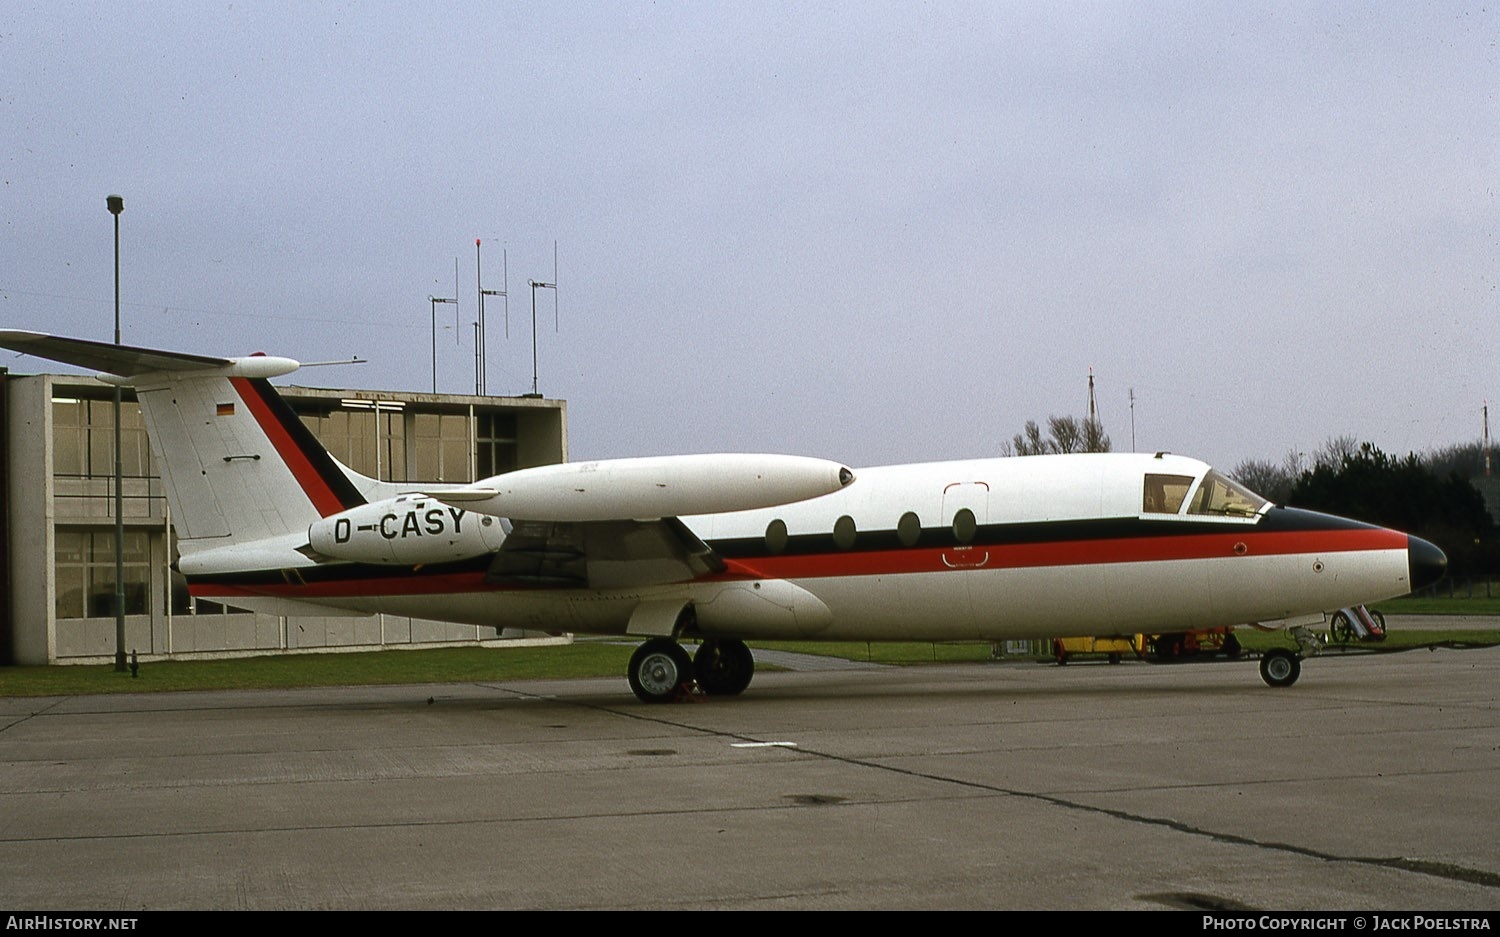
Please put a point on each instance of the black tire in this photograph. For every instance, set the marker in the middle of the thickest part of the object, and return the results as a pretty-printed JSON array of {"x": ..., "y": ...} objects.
[
  {"x": 723, "y": 668},
  {"x": 1169, "y": 647},
  {"x": 1280, "y": 667},
  {"x": 658, "y": 669},
  {"x": 1343, "y": 629}
]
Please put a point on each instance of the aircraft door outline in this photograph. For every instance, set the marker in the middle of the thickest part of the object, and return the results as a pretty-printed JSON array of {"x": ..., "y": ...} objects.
[{"x": 965, "y": 509}]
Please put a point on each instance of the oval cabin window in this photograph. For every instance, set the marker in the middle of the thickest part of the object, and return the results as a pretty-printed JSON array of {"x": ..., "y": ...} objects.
[
  {"x": 964, "y": 526},
  {"x": 776, "y": 536},
  {"x": 909, "y": 529},
  {"x": 843, "y": 532}
]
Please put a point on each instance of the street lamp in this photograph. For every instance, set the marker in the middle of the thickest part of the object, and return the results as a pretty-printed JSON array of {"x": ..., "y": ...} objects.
[
  {"x": 116, "y": 204},
  {"x": 435, "y": 300},
  {"x": 535, "y": 285}
]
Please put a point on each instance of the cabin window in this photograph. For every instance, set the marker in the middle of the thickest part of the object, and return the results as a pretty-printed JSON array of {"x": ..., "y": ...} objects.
[
  {"x": 1164, "y": 494},
  {"x": 908, "y": 529},
  {"x": 964, "y": 526},
  {"x": 1223, "y": 496},
  {"x": 843, "y": 532},
  {"x": 776, "y": 536}
]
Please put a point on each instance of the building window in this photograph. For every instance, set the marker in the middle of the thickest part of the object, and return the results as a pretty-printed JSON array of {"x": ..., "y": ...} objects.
[
  {"x": 350, "y": 436},
  {"x": 442, "y": 447},
  {"x": 83, "y": 437},
  {"x": 85, "y": 564},
  {"x": 495, "y": 441}
]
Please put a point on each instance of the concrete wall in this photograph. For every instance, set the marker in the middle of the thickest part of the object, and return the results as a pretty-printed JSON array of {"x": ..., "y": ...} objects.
[
  {"x": 30, "y": 497},
  {"x": 541, "y": 433}
]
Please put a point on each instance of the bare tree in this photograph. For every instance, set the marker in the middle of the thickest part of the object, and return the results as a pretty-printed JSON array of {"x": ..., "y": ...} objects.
[
  {"x": 1265, "y": 478},
  {"x": 1338, "y": 448},
  {"x": 1065, "y": 434},
  {"x": 1030, "y": 441},
  {"x": 1467, "y": 460}
]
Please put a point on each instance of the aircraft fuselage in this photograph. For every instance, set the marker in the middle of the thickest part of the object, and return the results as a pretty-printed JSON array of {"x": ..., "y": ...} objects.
[{"x": 983, "y": 549}]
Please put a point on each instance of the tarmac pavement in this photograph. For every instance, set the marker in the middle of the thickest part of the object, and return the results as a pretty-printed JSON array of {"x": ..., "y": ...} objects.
[{"x": 1370, "y": 785}]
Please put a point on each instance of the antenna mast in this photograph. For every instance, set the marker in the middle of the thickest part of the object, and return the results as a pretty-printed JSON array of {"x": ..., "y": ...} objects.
[
  {"x": 1486, "y": 439},
  {"x": 482, "y": 351}
]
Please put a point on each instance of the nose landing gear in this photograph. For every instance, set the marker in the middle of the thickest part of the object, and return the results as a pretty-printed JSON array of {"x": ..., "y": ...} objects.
[{"x": 1281, "y": 667}]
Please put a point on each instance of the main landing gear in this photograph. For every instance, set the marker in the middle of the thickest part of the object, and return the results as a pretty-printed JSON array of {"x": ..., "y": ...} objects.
[{"x": 660, "y": 669}]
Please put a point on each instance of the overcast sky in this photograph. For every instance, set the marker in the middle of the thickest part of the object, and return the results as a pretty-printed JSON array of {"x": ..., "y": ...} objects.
[{"x": 870, "y": 232}]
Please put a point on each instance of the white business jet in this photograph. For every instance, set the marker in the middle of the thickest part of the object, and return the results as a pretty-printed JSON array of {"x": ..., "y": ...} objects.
[{"x": 733, "y": 547}]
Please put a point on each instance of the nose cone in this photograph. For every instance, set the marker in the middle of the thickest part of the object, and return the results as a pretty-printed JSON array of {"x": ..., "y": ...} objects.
[{"x": 1426, "y": 561}]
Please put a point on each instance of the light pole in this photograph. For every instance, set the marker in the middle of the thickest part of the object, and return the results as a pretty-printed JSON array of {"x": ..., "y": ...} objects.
[
  {"x": 116, "y": 204},
  {"x": 435, "y": 300},
  {"x": 535, "y": 285}
]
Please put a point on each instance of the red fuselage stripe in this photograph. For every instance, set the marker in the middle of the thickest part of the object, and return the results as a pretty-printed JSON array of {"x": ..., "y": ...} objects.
[
  {"x": 893, "y": 562},
  {"x": 322, "y": 497},
  {"x": 1073, "y": 553}
]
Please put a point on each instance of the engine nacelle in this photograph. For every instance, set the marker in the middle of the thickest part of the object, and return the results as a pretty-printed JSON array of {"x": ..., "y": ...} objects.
[{"x": 407, "y": 530}]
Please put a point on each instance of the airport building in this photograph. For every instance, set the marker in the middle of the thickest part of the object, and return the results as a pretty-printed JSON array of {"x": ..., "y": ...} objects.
[{"x": 57, "y": 523}]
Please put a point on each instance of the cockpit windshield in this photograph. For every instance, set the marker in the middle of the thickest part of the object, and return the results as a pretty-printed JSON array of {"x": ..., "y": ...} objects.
[
  {"x": 1224, "y": 496},
  {"x": 1216, "y": 496},
  {"x": 1164, "y": 494}
]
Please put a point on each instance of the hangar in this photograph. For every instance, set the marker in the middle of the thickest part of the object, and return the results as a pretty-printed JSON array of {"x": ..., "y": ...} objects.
[{"x": 57, "y": 516}]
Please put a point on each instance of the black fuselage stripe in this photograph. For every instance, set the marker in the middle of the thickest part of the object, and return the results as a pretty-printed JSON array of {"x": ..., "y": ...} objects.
[
  {"x": 307, "y": 444},
  {"x": 1280, "y": 520}
]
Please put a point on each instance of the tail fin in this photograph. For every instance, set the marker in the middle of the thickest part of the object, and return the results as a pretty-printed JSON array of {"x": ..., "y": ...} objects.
[{"x": 237, "y": 463}]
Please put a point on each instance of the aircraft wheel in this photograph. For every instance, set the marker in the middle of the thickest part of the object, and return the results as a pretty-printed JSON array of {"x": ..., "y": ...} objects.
[
  {"x": 1343, "y": 629},
  {"x": 657, "y": 669},
  {"x": 1280, "y": 667},
  {"x": 723, "y": 668},
  {"x": 1169, "y": 647}
]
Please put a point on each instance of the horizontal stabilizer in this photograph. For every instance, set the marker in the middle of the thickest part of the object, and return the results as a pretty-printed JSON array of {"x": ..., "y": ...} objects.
[{"x": 128, "y": 361}]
